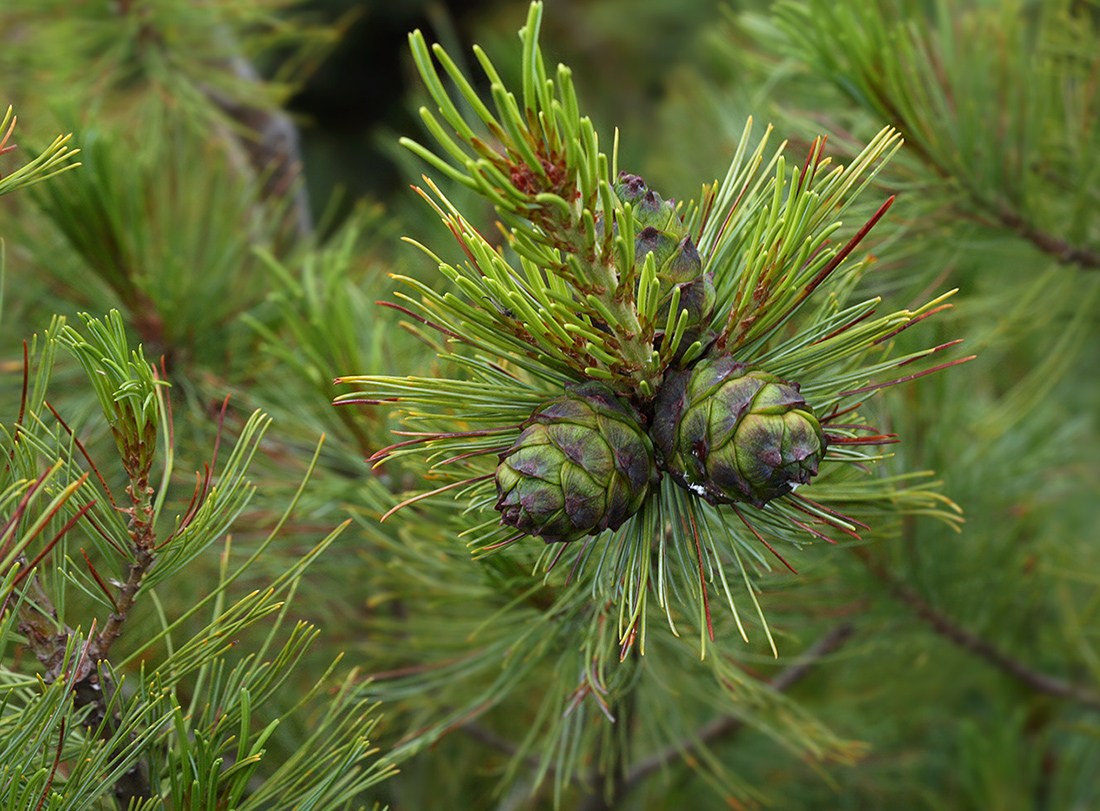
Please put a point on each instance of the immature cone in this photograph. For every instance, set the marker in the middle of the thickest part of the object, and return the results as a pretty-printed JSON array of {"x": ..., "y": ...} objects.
[
  {"x": 658, "y": 230},
  {"x": 581, "y": 464},
  {"x": 729, "y": 432}
]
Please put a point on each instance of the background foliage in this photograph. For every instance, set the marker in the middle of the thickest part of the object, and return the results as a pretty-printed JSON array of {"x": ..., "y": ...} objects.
[{"x": 925, "y": 668}]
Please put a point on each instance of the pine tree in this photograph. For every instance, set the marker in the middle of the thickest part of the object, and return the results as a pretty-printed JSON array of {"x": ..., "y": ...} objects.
[{"x": 640, "y": 486}]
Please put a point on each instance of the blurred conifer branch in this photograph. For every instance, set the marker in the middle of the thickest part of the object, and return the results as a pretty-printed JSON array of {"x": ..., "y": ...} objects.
[
  {"x": 196, "y": 58},
  {"x": 324, "y": 320},
  {"x": 171, "y": 244},
  {"x": 950, "y": 629},
  {"x": 717, "y": 730},
  {"x": 998, "y": 101},
  {"x": 165, "y": 74}
]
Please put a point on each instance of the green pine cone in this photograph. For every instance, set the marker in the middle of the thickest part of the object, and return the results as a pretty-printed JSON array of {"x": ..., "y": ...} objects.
[
  {"x": 582, "y": 464},
  {"x": 658, "y": 230},
  {"x": 650, "y": 211},
  {"x": 731, "y": 433}
]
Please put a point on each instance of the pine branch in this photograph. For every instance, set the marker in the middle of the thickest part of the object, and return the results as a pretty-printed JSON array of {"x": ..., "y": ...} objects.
[
  {"x": 38, "y": 623},
  {"x": 266, "y": 136},
  {"x": 1001, "y": 213},
  {"x": 272, "y": 148},
  {"x": 51, "y": 161},
  {"x": 143, "y": 542},
  {"x": 1061, "y": 250},
  {"x": 141, "y": 564},
  {"x": 490, "y": 738},
  {"x": 64, "y": 653},
  {"x": 718, "y": 729},
  {"x": 897, "y": 71},
  {"x": 91, "y": 686},
  {"x": 983, "y": 648}
]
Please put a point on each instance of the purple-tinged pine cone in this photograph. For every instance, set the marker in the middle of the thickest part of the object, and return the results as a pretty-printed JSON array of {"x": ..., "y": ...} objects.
[
  {"x": 732, "y": 433},
  {"x": 581, "y": 464}
]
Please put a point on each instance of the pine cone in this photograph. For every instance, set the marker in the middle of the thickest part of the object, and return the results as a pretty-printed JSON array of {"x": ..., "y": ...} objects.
[
  {"x": 731, "y": 433},
  {"x": 582, "y": 464}
]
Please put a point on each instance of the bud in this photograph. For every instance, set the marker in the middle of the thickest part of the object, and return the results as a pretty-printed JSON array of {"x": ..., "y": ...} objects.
[
  {"x": 658, "y": 230},
  {"x": 581, "y": 464},
  {"x": 731, "y": 433},
  {"x": 650, "y": 211}
]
